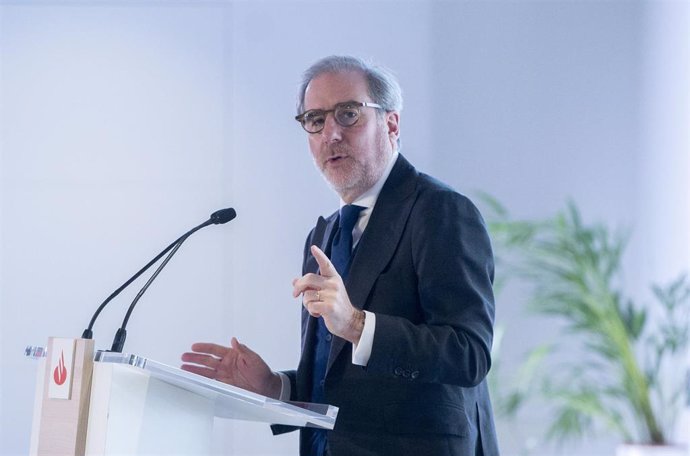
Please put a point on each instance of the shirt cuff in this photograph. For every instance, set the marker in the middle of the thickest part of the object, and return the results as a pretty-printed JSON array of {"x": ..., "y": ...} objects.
[
  {"x": 361, "y": 352},
  {"x": 285, "y": 388}
]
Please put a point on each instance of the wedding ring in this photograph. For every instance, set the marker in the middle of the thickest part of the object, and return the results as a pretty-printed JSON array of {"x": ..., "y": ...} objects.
[{"x": 318, "y": 295}]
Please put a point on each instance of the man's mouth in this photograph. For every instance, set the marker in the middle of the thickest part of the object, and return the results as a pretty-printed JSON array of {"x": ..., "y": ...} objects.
[{"x": 334, "y": 159}]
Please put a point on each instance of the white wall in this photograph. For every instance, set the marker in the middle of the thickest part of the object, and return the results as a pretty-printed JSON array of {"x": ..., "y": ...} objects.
[
  {"x": 122, "y": 124},
  {"x": 539, "y": 104},
  {"x": 115, "y": 131},
  {"x": 662, "y": 242}
]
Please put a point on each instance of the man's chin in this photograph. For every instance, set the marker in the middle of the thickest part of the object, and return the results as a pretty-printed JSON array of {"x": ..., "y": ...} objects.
[
  {"x": 338, "y": 178},
  {"x": 348, "y": 191},
  {"x": 339, "y": 184}
]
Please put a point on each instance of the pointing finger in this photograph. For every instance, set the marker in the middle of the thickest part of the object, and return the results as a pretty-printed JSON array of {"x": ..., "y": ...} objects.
[{"x": 326, "y": 268}]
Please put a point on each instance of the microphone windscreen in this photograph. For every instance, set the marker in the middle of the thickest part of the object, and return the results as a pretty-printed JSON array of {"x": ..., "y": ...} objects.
[{"x": 223, "y": 216}]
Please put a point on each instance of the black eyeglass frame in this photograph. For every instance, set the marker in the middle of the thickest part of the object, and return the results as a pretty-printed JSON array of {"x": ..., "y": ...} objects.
[{"x": 356, "y": 104}]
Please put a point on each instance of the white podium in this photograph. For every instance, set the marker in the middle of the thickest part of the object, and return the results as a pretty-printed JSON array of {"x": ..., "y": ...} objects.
[{"x": 119, "y": 404}]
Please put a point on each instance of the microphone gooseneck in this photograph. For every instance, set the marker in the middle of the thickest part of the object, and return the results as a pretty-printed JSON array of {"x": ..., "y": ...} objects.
[
  {"x": 88, "y": 332},
  {"x": 219, "y": 217},
  {"x": 121, "y": 334}
]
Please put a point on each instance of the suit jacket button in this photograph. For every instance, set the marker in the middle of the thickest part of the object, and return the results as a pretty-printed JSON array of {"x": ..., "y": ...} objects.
[
  {"x": 406, "y": 374},
  {"x": 398, "y": 371},
  {"x": 414, "y": 374}
]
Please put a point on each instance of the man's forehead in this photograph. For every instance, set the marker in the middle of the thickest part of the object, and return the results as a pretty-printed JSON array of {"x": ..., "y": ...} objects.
[{"x": 328, "y": 89}]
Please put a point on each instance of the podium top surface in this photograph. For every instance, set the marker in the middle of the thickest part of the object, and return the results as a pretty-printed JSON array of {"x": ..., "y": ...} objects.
[{"x": 230, "y": 401}]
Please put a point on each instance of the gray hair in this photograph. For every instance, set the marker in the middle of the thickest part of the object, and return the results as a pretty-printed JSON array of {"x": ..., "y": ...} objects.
[{"x": 383, "y": 86}]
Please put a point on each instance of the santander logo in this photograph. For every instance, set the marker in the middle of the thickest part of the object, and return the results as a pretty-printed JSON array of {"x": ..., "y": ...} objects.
[{"x": 60, "y": 372}]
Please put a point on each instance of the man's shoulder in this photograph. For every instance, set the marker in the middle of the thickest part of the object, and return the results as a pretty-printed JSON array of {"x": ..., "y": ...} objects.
[
  {"x": 429, "y": 193},
  {"x": 431, "y": 190},
  {"x": 428, "y": 183}
]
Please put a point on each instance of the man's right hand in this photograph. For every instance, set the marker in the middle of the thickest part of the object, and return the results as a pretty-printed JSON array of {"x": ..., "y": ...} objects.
[{"x": 236, "y": 365}]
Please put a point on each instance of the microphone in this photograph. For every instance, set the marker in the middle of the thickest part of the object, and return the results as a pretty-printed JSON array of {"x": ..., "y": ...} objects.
[
  {"x": 219, "y": 217},
  {"x": 223, "y": 216}
]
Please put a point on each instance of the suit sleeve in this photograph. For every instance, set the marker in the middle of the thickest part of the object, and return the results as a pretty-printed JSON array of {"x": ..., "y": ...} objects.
[{"x": 448, "y": 338}]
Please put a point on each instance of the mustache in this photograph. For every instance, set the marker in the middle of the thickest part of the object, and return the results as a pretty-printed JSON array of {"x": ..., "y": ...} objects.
[{"x": 332, "y": 150}]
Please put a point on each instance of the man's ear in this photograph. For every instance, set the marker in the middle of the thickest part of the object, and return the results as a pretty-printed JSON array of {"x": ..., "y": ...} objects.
[{"x": 393, "y": 124}]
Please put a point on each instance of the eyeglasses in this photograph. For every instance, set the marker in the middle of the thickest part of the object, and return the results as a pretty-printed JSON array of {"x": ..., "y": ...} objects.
[{"x": 345, "y": 114}]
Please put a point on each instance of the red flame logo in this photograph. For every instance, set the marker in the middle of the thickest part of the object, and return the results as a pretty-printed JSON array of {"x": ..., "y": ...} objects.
[{"x": 60, "y": 372}]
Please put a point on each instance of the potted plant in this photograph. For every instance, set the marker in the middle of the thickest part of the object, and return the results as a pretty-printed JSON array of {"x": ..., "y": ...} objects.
[{"x": 629, "y": 375}]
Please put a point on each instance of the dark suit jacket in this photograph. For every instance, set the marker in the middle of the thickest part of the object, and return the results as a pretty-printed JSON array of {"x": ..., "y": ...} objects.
[{"x": 424, "y": 266}]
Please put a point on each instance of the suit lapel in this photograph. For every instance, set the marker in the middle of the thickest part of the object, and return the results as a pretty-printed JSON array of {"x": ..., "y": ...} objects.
[
  {"x": 379, "y": 240},
  {"x": 327, "y": 227},
  {"x": 323, "y": 235}
]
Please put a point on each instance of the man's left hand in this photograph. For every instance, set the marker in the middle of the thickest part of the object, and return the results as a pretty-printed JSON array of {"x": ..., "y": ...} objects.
[{"x": 324, "y": 295}]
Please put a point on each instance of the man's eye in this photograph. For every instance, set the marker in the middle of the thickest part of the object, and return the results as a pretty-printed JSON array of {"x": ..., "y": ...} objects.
[
  {"x": 313, "y": 118},
  {"x": 346, "y": 116}
]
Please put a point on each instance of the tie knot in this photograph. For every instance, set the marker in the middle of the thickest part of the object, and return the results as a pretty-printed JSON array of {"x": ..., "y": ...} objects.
[{"x": 348, "y": 217}]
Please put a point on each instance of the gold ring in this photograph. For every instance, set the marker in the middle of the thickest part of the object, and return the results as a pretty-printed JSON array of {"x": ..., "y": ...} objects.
[{"x": 318, "y": 295}]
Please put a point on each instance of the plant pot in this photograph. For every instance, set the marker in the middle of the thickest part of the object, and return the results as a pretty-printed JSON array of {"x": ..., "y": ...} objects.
[{"x": 651, "y": 450}]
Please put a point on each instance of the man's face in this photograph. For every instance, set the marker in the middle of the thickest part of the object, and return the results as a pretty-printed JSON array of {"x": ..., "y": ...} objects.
[{"x": 352, "y": 158}]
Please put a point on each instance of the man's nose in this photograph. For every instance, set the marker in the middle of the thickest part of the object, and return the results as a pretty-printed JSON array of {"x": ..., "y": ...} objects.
[{"x": 332, "y": 131}]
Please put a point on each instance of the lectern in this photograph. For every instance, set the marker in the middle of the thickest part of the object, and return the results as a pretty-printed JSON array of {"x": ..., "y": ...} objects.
[{"x": 107, "y": 403}]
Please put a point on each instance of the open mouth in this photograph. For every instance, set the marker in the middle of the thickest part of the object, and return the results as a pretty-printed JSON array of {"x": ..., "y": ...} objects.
[{"x": 335, "y": 159}]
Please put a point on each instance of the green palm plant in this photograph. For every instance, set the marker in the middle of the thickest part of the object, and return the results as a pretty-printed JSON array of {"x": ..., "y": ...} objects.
[{"x": 628, "y": 377}]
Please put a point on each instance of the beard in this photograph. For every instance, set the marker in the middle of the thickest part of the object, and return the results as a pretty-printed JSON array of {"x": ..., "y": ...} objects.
[{"x": 351, "y": 172}]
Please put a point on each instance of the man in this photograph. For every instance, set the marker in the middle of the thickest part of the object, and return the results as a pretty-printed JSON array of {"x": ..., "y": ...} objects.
[{"x": 397, "y": 317}]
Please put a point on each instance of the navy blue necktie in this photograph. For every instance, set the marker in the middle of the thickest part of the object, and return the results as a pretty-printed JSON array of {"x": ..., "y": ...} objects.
[
  {"x": 341, "y": 250},
  {"x": 341, "y": 257}
]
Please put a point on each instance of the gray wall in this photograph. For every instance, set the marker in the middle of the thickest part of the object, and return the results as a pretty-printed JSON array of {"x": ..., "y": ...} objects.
[{"x": 122, "y": 124}]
